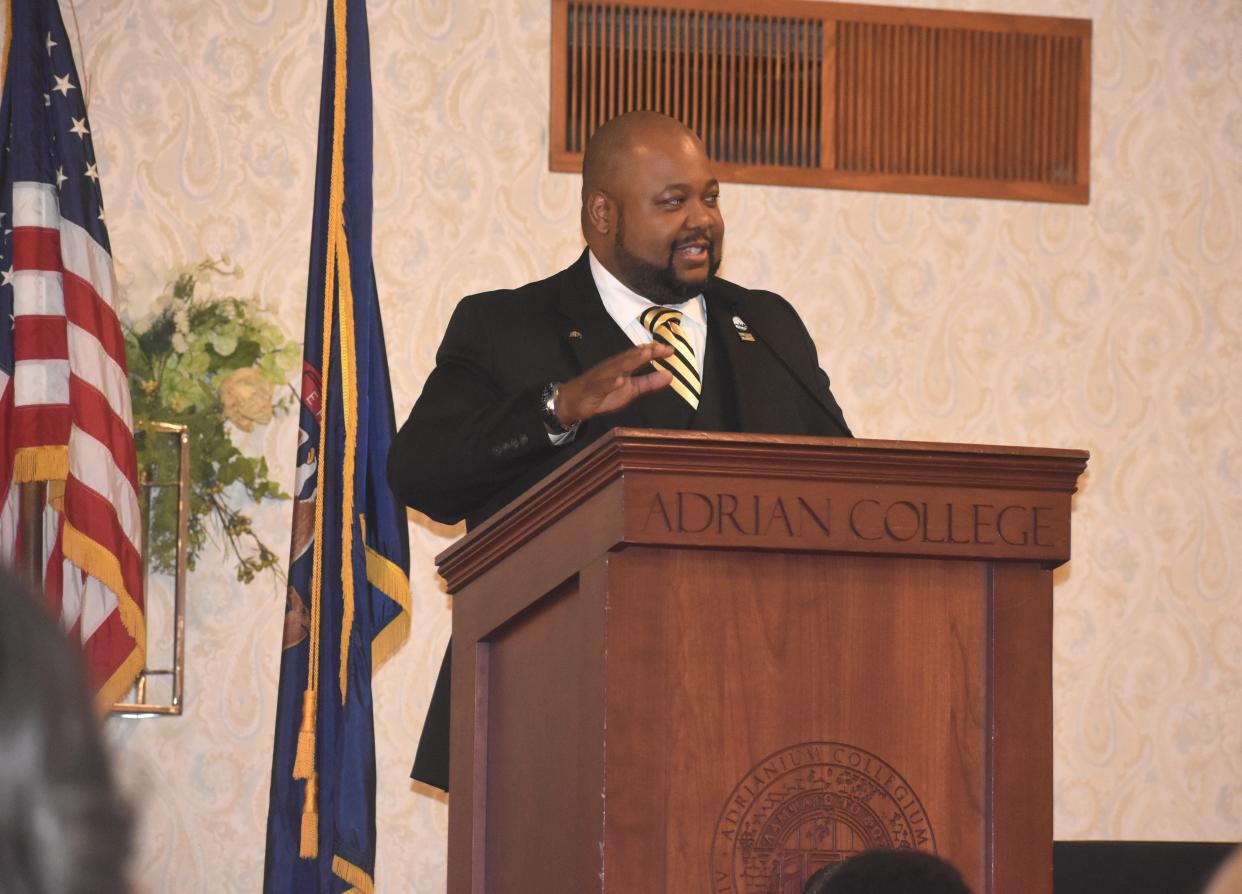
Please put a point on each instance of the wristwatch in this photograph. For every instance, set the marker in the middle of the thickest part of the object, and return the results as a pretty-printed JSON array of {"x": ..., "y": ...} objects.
[{"x": 547, "y": 410}]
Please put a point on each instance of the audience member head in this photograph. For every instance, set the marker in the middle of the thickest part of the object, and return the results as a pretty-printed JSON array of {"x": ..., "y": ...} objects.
[
  {"x": 888, "y": 872},
  {"x": 650, "y": 206},
  {"x": 1228, "y": 879},
  {"x": 63, "y": 829}
]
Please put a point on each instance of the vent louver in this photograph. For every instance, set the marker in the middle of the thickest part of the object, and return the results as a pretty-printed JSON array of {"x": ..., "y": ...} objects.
[{"x": 836, "y": 95}]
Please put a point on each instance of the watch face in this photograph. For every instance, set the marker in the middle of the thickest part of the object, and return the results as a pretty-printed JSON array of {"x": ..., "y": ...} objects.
[{"x": 549, "y": 409}]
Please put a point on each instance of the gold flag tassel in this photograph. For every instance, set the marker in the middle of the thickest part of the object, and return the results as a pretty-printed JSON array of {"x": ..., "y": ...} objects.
[
  {"x": 304, "y": 759},
  {"x": 310, "y": 820}
]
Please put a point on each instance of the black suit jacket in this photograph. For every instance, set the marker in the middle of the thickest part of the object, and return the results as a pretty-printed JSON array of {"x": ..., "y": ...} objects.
[{"x": 475, "y": 438}]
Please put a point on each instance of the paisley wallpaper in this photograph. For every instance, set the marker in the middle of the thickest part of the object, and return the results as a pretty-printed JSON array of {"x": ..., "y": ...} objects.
[{"x": 1115, "y": 327}]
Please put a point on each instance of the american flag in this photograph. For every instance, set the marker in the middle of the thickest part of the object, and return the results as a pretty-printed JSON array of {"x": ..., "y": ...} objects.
[{"x": 64, "y": 393}]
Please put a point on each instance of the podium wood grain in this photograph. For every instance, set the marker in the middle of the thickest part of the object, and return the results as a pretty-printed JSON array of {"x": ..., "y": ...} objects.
[{"x": 647, "y": 700}]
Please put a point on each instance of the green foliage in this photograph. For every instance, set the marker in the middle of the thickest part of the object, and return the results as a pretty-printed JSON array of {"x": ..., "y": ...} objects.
[{"x": 180, "y": 359}]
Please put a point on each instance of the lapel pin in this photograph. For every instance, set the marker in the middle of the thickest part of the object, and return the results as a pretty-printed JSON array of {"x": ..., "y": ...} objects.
[
  {"x": 574, "y": 333},
  {"x": 743, "y": 331}
]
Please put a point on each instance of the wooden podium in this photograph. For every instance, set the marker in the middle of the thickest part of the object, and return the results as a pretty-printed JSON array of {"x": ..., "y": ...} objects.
[{"x": 710, "y": 664}]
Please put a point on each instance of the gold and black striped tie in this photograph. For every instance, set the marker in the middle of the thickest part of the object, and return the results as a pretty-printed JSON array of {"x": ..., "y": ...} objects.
[{"x": 665, "y": 326}]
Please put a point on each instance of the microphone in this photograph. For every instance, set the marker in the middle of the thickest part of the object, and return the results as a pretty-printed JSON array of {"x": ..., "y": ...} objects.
[{"x": 832, "y": 412}]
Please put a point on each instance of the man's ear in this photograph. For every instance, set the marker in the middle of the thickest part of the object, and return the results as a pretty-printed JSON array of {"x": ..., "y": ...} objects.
[{"x": 600, "y": 212}]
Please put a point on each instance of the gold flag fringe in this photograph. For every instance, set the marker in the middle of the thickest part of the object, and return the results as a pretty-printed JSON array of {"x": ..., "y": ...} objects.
[
  {"x": 101, "y": 564},
  {"x": 352, "y": 874},
  {"x": 49, "y": 463},
  {"x": 390, "y": 580},
  {"x": 120, "y": 681}
]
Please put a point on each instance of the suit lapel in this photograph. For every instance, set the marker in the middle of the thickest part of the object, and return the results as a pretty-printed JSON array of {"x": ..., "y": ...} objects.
[
  {"x": 587, "y": 328},
  {"x": 744, "y": 361},
  {"x": 591, "y": 333}
]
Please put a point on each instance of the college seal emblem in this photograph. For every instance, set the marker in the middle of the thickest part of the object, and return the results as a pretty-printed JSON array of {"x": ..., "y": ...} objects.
[{"x": 809, "y": 805}]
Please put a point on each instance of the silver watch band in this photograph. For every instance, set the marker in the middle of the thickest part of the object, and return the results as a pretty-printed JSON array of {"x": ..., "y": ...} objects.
[{"x": 547, "y": 409}]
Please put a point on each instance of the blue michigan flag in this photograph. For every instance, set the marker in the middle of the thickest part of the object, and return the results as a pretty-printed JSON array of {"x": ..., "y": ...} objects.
[{"x": 348, "y": 601}]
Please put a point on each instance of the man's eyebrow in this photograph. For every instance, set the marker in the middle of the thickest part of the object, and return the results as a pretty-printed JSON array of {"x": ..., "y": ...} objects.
[{"x": 686, "y": 187}]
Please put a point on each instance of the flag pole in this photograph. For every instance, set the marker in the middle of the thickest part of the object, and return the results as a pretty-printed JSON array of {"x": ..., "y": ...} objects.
[{"x": 29, "y": 560}]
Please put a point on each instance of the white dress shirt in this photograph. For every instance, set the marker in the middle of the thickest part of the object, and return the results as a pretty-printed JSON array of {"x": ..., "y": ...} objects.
[{"x": 626, "y": 307}]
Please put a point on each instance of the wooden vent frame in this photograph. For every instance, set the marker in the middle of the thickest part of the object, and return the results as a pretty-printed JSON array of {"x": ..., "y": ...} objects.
[{"x": 798, "y": 93}]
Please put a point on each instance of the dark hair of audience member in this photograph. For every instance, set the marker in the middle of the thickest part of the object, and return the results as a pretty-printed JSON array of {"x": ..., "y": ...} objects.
[
  {"x": 888, "y": 872},
  {"x": 63, "y": 828}
]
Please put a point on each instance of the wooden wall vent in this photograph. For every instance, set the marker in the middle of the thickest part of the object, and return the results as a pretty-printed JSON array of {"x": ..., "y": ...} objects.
[{"x": 799, "y": 93}]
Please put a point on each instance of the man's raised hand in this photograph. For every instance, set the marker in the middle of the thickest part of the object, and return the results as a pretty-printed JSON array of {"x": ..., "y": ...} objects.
[{"x": 611, "y": 384}]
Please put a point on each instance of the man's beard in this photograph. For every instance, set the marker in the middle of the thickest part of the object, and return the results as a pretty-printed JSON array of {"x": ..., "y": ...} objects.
[{"x": 661, "y": 285}]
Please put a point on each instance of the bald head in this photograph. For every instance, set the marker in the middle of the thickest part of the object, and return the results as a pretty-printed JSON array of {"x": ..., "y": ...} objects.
[
  {"x": 620, "y": 141},
  {"x": 649, "y": 206}
]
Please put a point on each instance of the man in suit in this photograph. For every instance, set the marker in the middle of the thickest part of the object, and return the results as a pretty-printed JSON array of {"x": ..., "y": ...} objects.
[{"x": 638, "y": 332}]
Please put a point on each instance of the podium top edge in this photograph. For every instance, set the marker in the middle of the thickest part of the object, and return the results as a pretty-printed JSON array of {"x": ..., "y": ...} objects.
[
  {"x": 649, "y": 436},
  {"x": 625, "y": 451}
]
